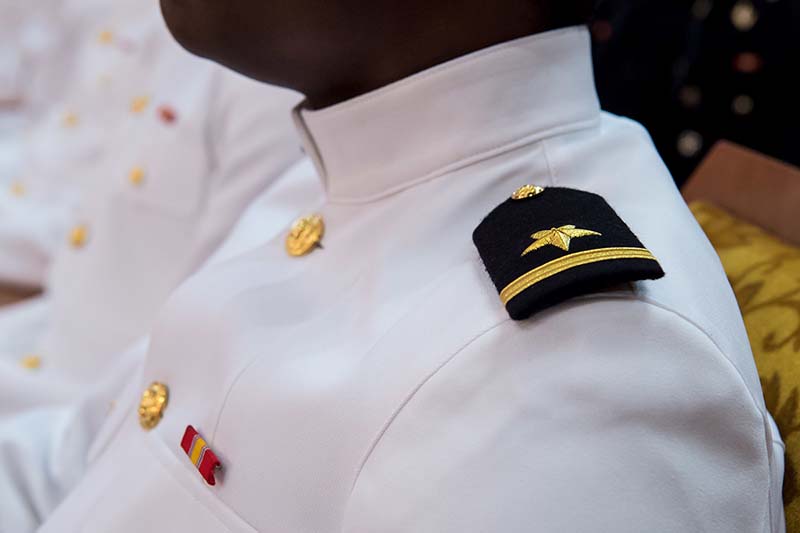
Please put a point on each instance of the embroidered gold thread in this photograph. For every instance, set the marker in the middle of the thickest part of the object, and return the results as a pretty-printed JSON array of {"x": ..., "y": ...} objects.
[
  {"x": 568, "y": 262},
  {"x": 558, "y": 237},
  {"x": 527, "y": 191}
]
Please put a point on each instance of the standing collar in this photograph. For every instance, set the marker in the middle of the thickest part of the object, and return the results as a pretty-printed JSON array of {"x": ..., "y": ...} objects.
[{"x": 452, "y": 115}]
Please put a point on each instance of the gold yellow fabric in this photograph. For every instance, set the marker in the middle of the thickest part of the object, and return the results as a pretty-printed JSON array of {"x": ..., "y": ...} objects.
[{"x": 765, "y": 274}]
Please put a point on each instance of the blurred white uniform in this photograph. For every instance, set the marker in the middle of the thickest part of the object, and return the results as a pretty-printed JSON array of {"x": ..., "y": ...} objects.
[
  {"x": 53, "y": 155},
  {"x": 29, "y": 32},
  {"x": 42, "y": 56},
  {"x": 197, "y": 145},
  {"x": 29, "y": 52},
  {"x": 378, "y": 384},
  {"x": 15, "y": 19}
]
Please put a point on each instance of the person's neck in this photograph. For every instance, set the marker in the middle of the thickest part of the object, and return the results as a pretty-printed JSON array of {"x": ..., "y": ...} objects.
[{"x": 413, "y": 52}]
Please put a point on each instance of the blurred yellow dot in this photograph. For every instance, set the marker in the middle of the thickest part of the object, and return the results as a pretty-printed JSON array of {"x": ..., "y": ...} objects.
[
  {"x": 17, "y": 189},
  {"x": 31, "y": 362},
  {"x": 136, "y": 176},
  {"x": 70, "y": 120},
  {"x": 78, "y": 236},
  {"x": 744, "y": 15},
  {"x": 139, "y": 104},
  {"x": 105, "y": 37}
]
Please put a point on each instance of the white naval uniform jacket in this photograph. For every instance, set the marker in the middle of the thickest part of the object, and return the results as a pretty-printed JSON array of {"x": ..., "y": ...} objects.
[
  {"x": 378, "y": 385},
  {"x": 13, "y": 22},
  {"x": 27, "y": 30}
]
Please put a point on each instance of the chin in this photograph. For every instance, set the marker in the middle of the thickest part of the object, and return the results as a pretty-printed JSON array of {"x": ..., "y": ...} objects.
[
  {"x": 190, "y": 23},
  {"x": 219, "y": 30}
]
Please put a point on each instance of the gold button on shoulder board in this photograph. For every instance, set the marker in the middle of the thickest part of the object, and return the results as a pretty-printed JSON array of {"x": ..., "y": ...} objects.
[
  {"x": 78, "y": 236},
  {"x": 527, "y": 191},
  {"x": 305, "y": 235},
  {"x": 154, "y": 401},
  {"x": 31, "y": 362}
]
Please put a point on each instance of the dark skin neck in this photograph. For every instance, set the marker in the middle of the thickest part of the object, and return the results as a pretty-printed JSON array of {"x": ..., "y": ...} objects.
[
  {"x": 335, "y": 50},
  {"x": 385, "y": 55}
]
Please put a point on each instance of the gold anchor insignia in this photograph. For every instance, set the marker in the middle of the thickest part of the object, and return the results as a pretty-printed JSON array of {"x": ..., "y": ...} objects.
[
  {"x": 154, "y": 402},
  {"x": 305, "y": 235},
  {"x": 558, "y": 237},
  {"x": 527, "y": 191}
]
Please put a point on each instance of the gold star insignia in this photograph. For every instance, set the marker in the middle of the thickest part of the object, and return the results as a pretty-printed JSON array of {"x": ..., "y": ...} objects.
[{"x": 558, "y": 237}]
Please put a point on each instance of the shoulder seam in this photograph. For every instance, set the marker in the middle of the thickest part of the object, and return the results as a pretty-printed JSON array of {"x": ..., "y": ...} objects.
[
  {"x": 410, "y": 396},
  {"x": 551, "y": 170},
  {"x": 693, "y": 324},
  {"x": 605, "y": 297},
  {"x": 767, "y": 435}
]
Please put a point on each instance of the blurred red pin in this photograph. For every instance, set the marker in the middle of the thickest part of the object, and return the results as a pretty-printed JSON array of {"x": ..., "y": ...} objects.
[
  {"x": 200, "y": 454},
  {"x": 167, "y": 114}
]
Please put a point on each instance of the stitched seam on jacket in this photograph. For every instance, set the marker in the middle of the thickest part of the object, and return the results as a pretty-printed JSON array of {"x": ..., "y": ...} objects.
[
  {"x": 377, "y": 440},
  {"x": 767, "y": 436},
  {"x": 551, "y": 169},
  {"x": 604, "y": 297}
]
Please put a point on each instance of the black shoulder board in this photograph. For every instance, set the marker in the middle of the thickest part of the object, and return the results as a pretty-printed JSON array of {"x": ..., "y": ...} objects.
[{"x": 544, "y": 246}]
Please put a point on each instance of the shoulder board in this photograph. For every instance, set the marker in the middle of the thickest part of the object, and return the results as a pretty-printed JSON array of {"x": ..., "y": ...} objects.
[{"x": 544, "y": 246}]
